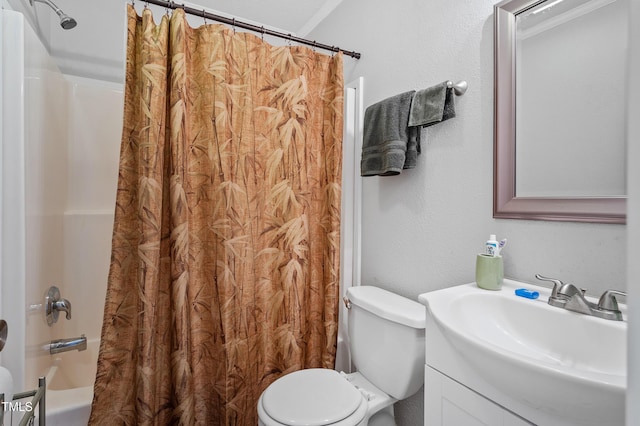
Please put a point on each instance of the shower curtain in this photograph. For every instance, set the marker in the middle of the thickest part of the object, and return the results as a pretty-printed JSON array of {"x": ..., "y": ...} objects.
[{"x": 225, "y": 252}]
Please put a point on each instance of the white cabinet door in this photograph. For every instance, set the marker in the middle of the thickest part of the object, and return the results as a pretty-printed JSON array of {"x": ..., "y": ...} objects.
[{"x": 448, "y": 403}]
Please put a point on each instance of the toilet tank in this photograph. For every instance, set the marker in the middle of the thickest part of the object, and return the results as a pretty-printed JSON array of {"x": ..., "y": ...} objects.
[{"x": 386, "y": 339}]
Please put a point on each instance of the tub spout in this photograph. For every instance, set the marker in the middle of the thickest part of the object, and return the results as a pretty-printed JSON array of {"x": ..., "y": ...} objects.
[{"x": 65, "y": 345}]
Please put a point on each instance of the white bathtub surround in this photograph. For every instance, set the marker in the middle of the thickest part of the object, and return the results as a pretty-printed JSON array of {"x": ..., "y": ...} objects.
[
  {"x": 60, "y": 144},
  {"x": 95, "y": 121},
  {"x": 70, "y": 386},
  {"x": 95, "y": 125},
  {"x": 33, "y": 195}
]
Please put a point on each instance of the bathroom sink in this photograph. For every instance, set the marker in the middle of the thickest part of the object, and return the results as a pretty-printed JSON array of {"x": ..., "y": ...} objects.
[{"x": 562, "y": 362}]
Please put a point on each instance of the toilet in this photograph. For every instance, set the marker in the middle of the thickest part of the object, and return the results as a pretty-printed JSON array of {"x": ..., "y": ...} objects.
[{"x": 386, "y": 341}]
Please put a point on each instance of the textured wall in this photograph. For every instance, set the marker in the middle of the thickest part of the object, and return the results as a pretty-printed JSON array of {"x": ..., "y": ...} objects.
[{"x": 422, "y": 229}]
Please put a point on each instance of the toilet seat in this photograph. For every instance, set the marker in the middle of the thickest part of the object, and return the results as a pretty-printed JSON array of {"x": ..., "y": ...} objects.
[{"x": 313, "y": 397}]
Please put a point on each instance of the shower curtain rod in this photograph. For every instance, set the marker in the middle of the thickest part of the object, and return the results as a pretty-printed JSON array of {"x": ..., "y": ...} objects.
[{"x": 251, "y": 27}]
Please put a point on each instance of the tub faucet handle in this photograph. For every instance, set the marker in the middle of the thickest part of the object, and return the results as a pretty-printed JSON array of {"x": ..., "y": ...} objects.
[
  {"x": 63, "y": 305},
  {"x": 54, "y": 304}
]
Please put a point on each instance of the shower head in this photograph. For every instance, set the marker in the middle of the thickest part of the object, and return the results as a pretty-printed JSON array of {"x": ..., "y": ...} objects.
[{"x": 66, "y": 22}]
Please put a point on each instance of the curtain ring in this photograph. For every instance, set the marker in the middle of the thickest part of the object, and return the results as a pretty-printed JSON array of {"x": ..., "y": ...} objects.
[
  {"x": 314, "y": 45},
  {"x": 289, "y": 39},
  {"x": 262, "y": 31},
  {"x": 233, "y": 23},
  {"x": 204, "y": 16},
  {"x": 146, "y": 4}
]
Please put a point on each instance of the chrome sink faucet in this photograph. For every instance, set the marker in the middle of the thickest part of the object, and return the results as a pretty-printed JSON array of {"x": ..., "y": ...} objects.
[{"x": 569, "y": 297}]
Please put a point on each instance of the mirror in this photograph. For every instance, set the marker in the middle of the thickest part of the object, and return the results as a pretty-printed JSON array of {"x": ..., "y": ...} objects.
[{"x": 560, "y": 110}]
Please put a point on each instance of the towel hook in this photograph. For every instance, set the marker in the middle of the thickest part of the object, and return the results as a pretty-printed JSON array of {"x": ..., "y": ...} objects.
[{"x": 459, "y": 88}]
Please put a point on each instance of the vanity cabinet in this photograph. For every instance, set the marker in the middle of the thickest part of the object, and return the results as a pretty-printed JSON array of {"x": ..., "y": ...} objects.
[{"x": 448, "y": 403}]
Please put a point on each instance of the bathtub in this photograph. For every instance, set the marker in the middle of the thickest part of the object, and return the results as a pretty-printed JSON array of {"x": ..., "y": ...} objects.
[{"x": 70, "y": 386}]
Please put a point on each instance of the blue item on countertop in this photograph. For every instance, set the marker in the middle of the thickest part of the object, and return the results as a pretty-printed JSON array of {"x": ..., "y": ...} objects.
[{"x": 529, "y": 294}]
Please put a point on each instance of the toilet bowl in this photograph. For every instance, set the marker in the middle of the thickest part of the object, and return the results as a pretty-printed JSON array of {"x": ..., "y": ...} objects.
[
  {"x": 386, "y": 339},
  {"x": 321, "y": 397}
]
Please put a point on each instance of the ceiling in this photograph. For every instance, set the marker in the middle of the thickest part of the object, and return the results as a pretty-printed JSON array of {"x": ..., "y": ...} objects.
[
  {"x": 94, "y": 48},
  {"x": 298, "y": 17}
]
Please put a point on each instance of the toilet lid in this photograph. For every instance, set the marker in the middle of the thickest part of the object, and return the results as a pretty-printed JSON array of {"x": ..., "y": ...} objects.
[{"x": 311, "y": 397}]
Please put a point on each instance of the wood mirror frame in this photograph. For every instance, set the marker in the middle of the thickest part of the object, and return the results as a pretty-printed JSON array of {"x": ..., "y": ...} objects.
[{"x": 506, "y": 205}]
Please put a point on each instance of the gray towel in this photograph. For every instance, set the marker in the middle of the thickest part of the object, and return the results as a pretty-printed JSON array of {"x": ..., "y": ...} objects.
[
  {"x": 389, "y": 145},
  {"x": 431, "y": 106}
]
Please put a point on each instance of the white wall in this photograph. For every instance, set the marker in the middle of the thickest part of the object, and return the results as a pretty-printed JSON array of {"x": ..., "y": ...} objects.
[
  {"x": 94, "y": 48},
  {"x": 422, "y": 229},
  {"x": 23, "y": 7}
]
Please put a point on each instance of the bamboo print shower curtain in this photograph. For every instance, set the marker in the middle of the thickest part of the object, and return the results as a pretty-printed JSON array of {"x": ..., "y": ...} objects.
[{"x": 225, "y": 257}]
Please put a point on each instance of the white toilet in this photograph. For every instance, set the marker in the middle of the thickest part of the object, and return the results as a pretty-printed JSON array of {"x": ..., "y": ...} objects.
[{"x": 386, "y": 339}]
